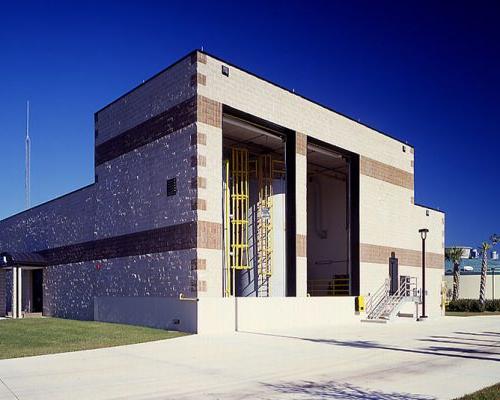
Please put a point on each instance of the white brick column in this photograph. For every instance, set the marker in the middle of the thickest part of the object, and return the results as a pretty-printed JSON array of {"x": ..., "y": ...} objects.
[
  {"x": 208, "y": 162},
  {"x": 17, "y": 291},
  {"x": 3, "y": 293},
  {"x": 301, "y": 213}
]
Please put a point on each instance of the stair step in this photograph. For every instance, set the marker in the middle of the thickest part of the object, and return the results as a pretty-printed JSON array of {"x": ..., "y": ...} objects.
[{"x": 376, "y": 321}]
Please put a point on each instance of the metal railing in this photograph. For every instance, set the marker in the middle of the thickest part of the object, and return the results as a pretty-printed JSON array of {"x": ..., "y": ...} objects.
[
  {"x": 383, "y": 305},
  {"x": 337, "y": 286},
  {"x": 376, "y": 300}
]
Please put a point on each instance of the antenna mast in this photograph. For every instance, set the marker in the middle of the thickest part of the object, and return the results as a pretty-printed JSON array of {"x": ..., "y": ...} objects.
[{"x": 27, "y": 166}]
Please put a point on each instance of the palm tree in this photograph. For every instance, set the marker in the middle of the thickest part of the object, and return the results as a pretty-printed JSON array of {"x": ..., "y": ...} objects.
[
  {"x": 485, "y": 246},
  {"x": 455, "y": 255}
]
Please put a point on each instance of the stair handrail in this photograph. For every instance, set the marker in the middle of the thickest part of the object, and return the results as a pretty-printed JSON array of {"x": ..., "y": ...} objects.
[
  {"x": 382, "y": 303},
  {"x": 377, "y": 299},
  {"x": 398, "y": 297}
]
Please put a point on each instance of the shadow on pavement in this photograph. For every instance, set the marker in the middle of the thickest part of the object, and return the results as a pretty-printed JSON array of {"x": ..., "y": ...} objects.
[
  {"x": 448, "y": 351},
  {"x": 464, "y": 338},
  {"x": 334, "y": 390},
  {"x": 494, "y": 334},
  {"x": 458, "y": 341}
]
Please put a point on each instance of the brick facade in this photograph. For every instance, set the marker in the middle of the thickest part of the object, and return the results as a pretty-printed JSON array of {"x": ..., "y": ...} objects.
[
  {"x": 169, "y": 238},
  {"x": 209, "y": 111},
  {"x": 171, "y": 120},
  {"x": 124, "y": 236},
  {"x": 380, "y": 255},
  {"x": 385, "y": 172}
]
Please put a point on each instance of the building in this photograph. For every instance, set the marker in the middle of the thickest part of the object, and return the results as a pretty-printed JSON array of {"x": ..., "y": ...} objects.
[
  {"x": 468, "y": 252},
  {"x": 470, "y": 276},
  {"x": 470, "y": 279},
  {"x": 223, "y": 200}
]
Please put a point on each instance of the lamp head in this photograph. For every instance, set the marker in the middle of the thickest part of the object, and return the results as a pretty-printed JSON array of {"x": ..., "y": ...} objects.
[{"x": 423, "y": 233}]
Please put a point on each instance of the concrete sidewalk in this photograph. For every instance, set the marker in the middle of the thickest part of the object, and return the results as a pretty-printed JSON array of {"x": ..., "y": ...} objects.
[{"x": 439, "y": 359}]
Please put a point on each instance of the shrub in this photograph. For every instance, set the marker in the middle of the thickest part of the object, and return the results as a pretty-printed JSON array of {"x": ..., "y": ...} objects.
[
  {"x": 473, "y": 305},
  {"x": 492, "y": 305}
]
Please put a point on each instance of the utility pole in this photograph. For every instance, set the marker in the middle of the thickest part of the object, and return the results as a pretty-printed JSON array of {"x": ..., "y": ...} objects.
[{"x": 27, "y": 166}]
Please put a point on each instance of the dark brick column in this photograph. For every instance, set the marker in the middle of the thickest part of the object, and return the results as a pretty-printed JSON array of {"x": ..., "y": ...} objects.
[{"x": 3, "y": 294}]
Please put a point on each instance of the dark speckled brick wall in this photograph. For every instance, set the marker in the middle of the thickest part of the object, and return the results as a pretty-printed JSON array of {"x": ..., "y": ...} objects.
[
  {"x": 66, "y": 220},
  {"x": 132, "y": 189},
  {"x": 129, "y": 197}
]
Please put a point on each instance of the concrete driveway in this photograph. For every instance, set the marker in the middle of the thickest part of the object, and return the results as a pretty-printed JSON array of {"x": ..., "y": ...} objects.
[{"x": 412, "y": 361}]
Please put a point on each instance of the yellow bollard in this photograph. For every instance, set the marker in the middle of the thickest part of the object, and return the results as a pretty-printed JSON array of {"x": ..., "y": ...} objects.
[{"x": 360, "y": 304}]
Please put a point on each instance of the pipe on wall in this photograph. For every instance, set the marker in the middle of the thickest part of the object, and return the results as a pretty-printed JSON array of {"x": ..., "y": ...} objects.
[{"x": 318, "y": 209}]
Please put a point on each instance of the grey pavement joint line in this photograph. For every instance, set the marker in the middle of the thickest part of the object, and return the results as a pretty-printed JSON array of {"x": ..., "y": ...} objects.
[{"x": 9, "y": 389}]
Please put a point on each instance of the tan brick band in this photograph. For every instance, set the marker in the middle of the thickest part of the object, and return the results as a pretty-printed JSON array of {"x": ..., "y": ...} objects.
[
  {"x": 198, "y": 138},
  {"x": 301, "y": 246},
  {"x": 385, "y": 172},
  {"x": 301, "y": 143},
  {"x": 198, "y": 57},
  {"x": 202, "y": 286},
  {"x": 198, "y": 264},
  {"x": 198, "y": 161},
  {"x": 371, "y": 253},
  {"x": 209, "y": 111},
  {"x": 198, "y": 79},
  {"x": 209, "y": 235},
  {"x": 198, "y": 182},
  {"x": 198, "y": 204}
]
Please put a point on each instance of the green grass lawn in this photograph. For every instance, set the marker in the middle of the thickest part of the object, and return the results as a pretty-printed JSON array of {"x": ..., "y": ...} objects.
[
  {"x": 490, "y": 393},
  {"x": 470, "y": 314},
  {"x": 36, "y": 336}
]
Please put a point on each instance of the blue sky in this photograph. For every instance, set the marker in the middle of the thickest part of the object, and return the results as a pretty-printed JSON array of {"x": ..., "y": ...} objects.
[{"x": 425, "y": 72}]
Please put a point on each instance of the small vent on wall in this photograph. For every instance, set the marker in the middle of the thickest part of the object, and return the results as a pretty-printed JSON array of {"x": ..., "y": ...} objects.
[
  {"x": 225, "y": 70},
  {"x": 172, "y": 187}
]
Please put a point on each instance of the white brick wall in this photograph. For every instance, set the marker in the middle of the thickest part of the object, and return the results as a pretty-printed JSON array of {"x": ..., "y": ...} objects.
[
  {"x": 257, "y": 97},
  {"x": 387, "y": 215},
  {"x": 158, "y": 94},
  {"x": 388, "y": 218}
]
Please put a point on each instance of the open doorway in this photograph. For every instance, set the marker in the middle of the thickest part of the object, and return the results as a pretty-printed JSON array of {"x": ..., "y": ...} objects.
[
  {"x": 254, "y": 209},
  {"x": 331, "y": 222},
  {"x": 32, "y": 289}
]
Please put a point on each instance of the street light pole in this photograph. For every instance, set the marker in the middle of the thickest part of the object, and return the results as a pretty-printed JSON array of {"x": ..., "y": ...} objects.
[
  {"x": 423, "y": 235},
  {"x": 493, "y": 282}
]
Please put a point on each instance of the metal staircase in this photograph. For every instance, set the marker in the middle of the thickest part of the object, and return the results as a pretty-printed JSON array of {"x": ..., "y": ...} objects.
[{"x": 383, "y": 306}]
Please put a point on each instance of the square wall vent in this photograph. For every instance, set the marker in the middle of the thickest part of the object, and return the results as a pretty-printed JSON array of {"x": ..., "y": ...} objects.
[{"x": 172, "y": 187}]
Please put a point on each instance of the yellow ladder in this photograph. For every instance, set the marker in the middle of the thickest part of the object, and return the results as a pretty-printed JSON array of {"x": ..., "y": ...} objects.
[
  {"x": 264, "y": 216},
  {"x": 239, "y": 194},
  {"x": 264, "y": 224}
]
